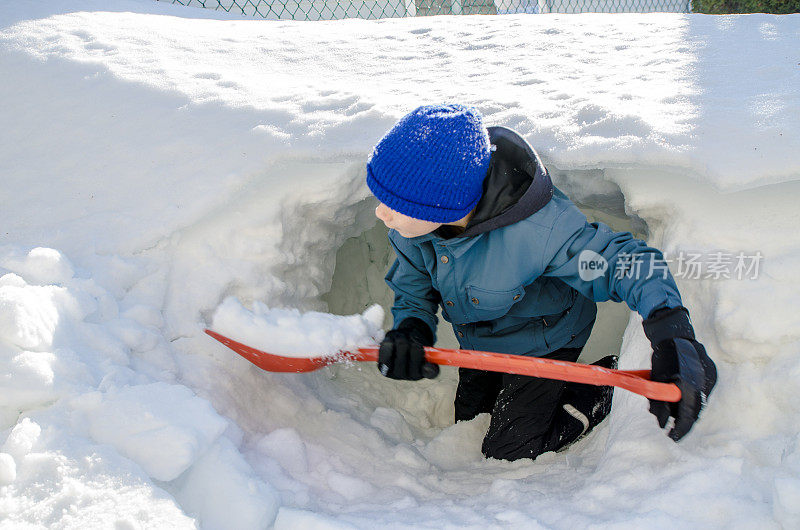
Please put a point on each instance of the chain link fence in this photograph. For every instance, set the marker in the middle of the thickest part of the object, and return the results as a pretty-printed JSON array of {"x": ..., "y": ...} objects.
[{"x": 372, "y": 9}]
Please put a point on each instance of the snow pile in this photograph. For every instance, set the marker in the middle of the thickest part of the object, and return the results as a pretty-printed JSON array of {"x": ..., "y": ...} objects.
[
  {"x": 85, "y": 374},
  {"x": 290, "y": 333},
  {"x": 188, "y": 157}
]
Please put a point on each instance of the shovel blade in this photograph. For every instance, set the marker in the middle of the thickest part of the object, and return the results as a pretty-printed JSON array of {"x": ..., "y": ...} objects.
[{"x": 270, "y": 361}]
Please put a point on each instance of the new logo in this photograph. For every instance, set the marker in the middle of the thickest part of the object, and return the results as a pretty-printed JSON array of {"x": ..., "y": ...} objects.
[{"x": 591, "y": 265}]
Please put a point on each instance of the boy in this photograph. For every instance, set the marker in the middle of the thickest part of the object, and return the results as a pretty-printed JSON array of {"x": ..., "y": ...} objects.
[{"x": 480, "y": 230}]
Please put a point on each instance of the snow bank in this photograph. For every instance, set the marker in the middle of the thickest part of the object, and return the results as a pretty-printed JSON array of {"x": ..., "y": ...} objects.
[
  {"x": 185, "y": 157},
  {"x": 91, "y": 414}
]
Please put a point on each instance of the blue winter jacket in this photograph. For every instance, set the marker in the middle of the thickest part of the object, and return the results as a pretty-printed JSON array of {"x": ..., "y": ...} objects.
[{"x": 510, "y": 282}]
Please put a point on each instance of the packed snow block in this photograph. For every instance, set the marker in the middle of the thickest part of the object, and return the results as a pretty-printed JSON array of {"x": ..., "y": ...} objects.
[
  {"x": 223, "y": 491},
  {"x": 8, "y": 469},
  {"x": 39, "y": 266},
  {"x": 41, "y": 317},
  {"x": 30, "y": 315},
  {"x": 22, "y": 438},
  {"x": 34, "y": 321},
  {"x": 27, "y": 381},
  {"x": 164, "y": 428},
  {"x": 348, "y": 486},
  {"x": 287, "y": 448},
  {"x": 392, "y": 424},
  {"x": 457, "y": 445}
]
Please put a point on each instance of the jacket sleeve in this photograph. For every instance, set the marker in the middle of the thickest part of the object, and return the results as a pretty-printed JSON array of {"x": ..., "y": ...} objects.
[
  {"x": 414, "y": 295},
  {"x": 636, "y": 273}
]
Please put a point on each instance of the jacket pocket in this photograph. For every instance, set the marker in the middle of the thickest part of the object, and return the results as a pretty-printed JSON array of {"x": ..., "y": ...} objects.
[
  {"x": 488, "y": 304},
  {"x": 546, "y": 297}
]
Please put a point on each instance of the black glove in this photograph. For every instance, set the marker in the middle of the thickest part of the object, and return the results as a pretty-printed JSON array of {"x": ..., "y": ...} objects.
[
  {"x": 401, "y": 354},
  {"x": 678, "y": 358}
]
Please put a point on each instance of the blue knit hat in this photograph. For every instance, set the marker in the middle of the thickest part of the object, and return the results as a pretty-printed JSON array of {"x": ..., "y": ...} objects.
[{"x": 432, "y": 163}]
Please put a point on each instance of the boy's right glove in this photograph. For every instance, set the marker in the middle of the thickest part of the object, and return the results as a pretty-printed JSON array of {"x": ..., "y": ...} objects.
[
  {"x": 678, "y": 358},
  {"x": 401, "y": 354}
]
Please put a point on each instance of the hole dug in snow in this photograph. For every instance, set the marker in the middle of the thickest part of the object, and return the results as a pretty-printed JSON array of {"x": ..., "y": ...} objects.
[
  {"x": 358, "y": 282},
  {"x": 345, "y": 434}
]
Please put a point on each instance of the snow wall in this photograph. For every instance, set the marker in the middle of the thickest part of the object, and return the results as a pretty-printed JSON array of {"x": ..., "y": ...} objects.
[{"x": 156, "y": 160}]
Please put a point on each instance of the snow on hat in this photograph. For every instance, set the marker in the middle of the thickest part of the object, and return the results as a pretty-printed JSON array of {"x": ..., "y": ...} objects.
[{"x": 432, "y": 163}]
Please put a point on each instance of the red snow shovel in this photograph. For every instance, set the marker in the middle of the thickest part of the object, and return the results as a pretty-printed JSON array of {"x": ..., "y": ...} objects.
[{"x": 637, "y": 381}]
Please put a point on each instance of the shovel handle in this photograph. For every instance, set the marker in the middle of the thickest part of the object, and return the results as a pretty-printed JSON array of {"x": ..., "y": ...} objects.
[{"x": 637, "y": 381}]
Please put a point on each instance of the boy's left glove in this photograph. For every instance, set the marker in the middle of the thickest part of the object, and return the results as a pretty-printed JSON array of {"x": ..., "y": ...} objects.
[{"x": 678, "y": 358}]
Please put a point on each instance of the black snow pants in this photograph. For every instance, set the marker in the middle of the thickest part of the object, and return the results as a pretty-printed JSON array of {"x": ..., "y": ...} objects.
[{"x": 527, "y": 414}]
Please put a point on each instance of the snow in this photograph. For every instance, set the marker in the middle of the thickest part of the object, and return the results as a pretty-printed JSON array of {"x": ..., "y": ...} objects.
[
  {"x": 290, "y": 333},
  {"x": 222, "y": 490},
  {"x": 8, "y": 469},
  {"x": 163, "y": 428},
  {"x": 164, "y": 168}
]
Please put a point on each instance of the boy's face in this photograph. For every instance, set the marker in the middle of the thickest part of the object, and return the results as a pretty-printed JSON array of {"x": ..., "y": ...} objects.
[{"x": 407, "y": 226}]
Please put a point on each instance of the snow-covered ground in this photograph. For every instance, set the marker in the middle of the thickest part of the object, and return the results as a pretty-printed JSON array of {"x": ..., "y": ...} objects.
[{"x": 156, "y": 160}]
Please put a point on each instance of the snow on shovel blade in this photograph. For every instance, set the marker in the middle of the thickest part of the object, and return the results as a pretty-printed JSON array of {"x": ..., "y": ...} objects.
[
  {"x": 637, "y": 381},
  {"x": 272, "y": 362}
]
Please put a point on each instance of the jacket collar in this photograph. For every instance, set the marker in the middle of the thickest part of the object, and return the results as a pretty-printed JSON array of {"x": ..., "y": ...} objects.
[
  {"x": 516, "y": 186},
  {"x": 456, "y": 245}
]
